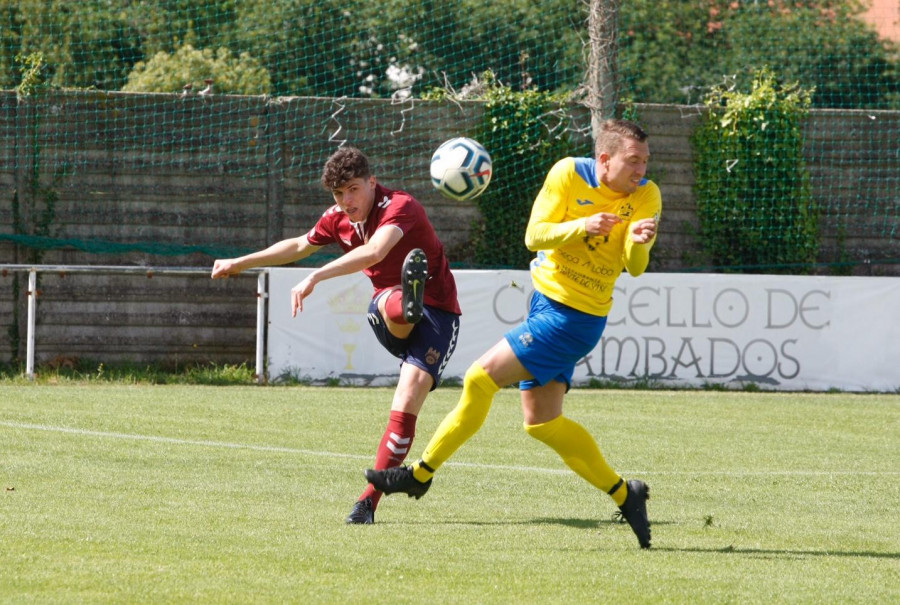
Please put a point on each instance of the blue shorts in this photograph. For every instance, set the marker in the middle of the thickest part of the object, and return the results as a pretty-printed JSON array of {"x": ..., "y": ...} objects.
[
  {"x": 430, "y": 344},
  {"x": 552, "y": 339}
]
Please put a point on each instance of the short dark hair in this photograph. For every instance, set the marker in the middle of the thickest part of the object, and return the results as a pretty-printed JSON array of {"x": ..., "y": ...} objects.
[
  {"x": 612, "y": 132},
  {"x": 345, "y": 164}
]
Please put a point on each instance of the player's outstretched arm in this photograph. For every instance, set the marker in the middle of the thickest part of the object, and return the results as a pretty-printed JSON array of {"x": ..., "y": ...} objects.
[{"x": 281, "y": 253}]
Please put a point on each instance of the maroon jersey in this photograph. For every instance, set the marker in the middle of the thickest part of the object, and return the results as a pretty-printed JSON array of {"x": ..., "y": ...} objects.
[{"x": 401, "y": 210}]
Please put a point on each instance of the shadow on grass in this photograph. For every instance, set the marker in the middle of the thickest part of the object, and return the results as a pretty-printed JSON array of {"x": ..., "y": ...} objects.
[
  {"x": 782, "y": 553},
  {"x": 578, "y": 523},
  {"x": 564, "y": 521},
  {"x": 569, "y": 522},
  {"x": 584, "y": 523}
]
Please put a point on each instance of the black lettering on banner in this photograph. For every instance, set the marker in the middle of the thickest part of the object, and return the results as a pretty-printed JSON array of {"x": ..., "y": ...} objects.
[
  {"x": 780, "y": 299},
  {"x": 795, "y": 361},
  {"x": 693, "y": 360},
  {"x": 620, "y": 345},
  {"x": 742, "y": 310},
  {"x": 658, "y": 355},
  {"x": 633, "y": 306},
  {"x": 758, "y": 359},
  {"x": 762, "y": 355},
  {"x": 753, "y": 333},
  {"x": 514, "y": 290},
  {"x": 713, "y": 342}
]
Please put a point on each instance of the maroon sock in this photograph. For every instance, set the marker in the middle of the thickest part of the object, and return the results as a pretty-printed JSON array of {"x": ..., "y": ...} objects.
[
  {"x": 394, "y": 446},
  {"x": 393, "y": 307}
]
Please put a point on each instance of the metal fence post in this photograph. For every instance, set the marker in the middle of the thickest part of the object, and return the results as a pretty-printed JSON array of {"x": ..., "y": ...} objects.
[
  {"x": 29, "y": 338},
  {"x": 261, "y": 299}
]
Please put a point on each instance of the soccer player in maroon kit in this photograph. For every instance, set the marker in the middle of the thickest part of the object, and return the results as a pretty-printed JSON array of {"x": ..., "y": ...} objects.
[{"x": 414, "y": 311}]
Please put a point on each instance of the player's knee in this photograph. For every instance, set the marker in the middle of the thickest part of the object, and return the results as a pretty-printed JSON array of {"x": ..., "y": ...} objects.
[
  {"x": 472, "y": 374},
  {"x": 478, "y": 394},
  {"x": 533, "y": 430},
  {"x": 544, "y": 431},
  {"x": 477, "y": 378}
]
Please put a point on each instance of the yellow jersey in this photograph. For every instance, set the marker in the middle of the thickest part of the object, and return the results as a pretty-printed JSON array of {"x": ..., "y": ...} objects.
[{"x": 572, "y": 267}]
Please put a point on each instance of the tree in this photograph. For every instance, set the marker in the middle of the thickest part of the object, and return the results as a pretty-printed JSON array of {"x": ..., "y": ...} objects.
[
  {"x": 523, "y": 43},
  {"x": 85, "y": 44},
  {"x": 672, "y": 52},
  {"x": 170, "y": 73},
  {"x": 305, "y": 44},
  {"x": 825, "y": 47}
]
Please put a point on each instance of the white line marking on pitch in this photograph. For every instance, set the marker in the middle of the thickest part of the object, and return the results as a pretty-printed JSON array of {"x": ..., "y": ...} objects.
[{"x": 290, "y": 450}]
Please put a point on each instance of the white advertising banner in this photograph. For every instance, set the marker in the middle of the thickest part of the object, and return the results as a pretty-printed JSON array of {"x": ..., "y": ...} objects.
[{"x": 779, "y": 332}]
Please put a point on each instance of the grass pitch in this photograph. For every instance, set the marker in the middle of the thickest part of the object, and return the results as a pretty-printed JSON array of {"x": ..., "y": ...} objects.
[{"x": 115, "y": 493}]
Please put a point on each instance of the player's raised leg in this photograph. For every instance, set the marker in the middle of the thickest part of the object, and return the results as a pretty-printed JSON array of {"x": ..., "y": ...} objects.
[{"x": 413, "y": 276}]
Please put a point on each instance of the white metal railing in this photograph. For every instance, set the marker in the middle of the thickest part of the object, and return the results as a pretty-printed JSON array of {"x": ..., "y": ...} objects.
[{"x": 261, "y": 296}]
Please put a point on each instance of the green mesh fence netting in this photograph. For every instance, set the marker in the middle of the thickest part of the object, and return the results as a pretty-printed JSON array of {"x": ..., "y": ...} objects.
[{"x": 131, "y": 130}]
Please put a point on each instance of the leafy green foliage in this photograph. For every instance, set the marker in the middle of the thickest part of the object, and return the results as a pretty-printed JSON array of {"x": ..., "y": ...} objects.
[
  {"x": 31, "y": 68},
  {"x": 169, "y": 73},
  {"x": 823, "y": 47},
  {"x": 453, "y": 41},
  {"x": 309, "y": 47},
  {"x": 753, "y": 188},
  {"x": 672, "y": 52},
  {"x": 669, "y": 51},
  {"x": 305, "y": 44},
  {"x": 527, "y": 135},
  {"x": 84, "y": 44}
]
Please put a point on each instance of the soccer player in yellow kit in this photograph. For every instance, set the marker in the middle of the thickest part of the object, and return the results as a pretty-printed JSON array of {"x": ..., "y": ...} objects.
[{"x": 593, "y": 218}]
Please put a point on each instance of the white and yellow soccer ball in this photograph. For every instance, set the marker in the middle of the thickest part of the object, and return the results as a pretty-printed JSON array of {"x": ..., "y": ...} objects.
[{"x": 461, "y": 168}]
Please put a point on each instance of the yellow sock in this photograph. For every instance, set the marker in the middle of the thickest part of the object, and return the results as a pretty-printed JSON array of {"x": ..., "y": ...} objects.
[
  {"x": 580, "y": 453},
  {"x": 460, "y": 424}
]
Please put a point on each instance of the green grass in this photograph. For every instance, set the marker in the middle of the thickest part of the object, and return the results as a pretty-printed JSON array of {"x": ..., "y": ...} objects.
[
  {"x": 177, "y": 493},
  {"x": 86, "y": 371}
]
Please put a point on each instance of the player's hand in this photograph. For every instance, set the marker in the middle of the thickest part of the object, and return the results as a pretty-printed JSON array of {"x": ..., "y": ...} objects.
[
  {"x": 224, "y": 267},
  {"x": 299, "y": 292},
  {"x": 601, "y": 223},
  {"x": 643, "y": 231}
]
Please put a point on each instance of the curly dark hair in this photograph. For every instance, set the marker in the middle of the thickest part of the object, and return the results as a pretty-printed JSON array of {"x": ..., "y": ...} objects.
[{"x": 345, "y": 164}]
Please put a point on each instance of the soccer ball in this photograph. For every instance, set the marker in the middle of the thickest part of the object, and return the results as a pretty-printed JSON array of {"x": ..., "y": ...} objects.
[{"x": 461, "y": 168}]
